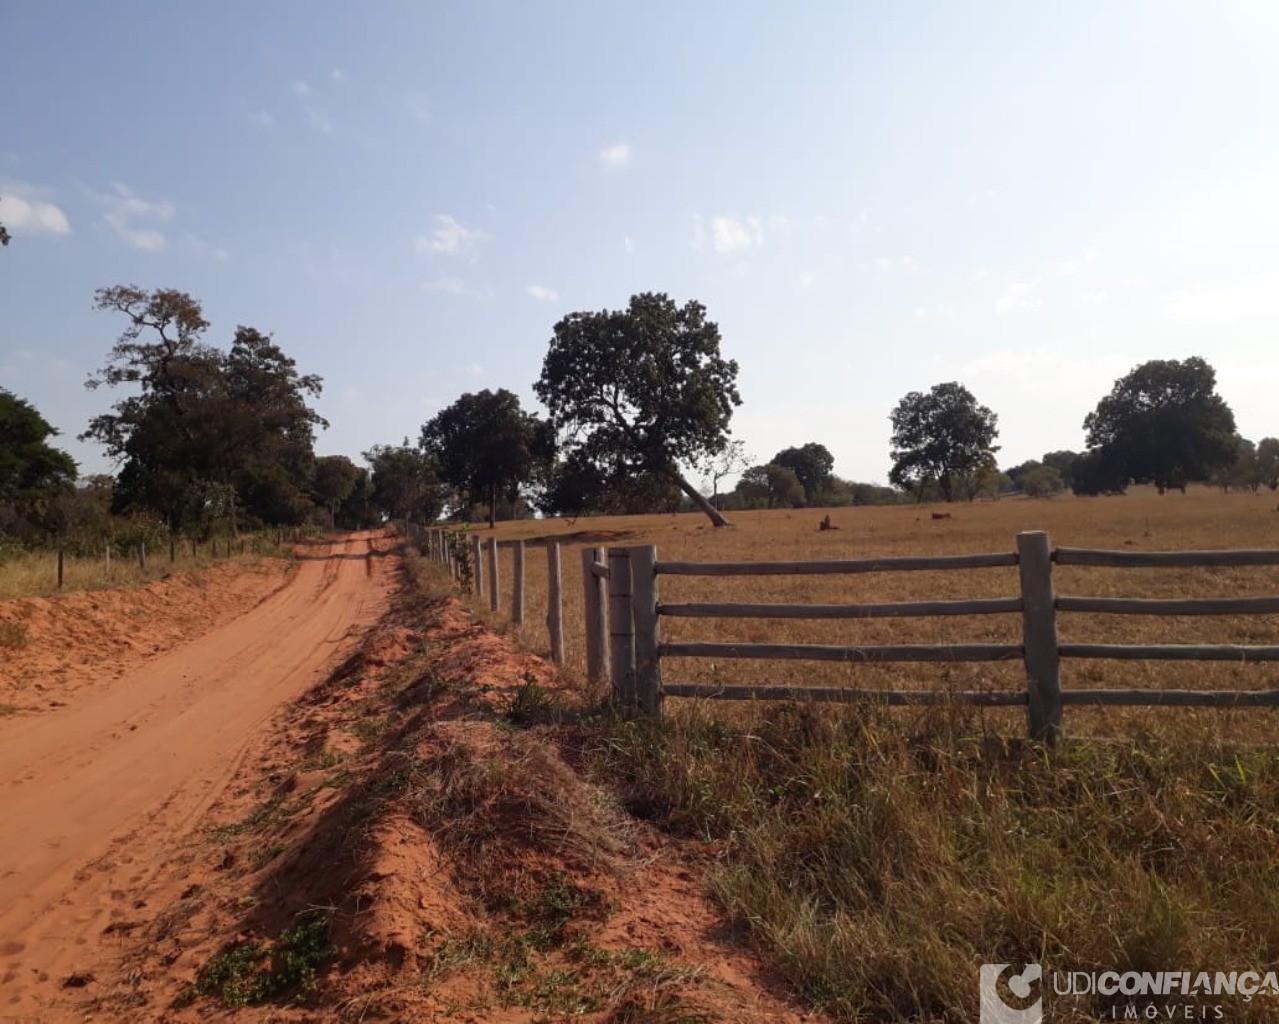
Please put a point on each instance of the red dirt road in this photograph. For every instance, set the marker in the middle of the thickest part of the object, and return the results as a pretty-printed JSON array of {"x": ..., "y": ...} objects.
[{"x": 93, "y": 798}]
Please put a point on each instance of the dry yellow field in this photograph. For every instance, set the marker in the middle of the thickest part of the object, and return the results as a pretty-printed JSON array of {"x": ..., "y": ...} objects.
[{"x": 1203, "y": 518}]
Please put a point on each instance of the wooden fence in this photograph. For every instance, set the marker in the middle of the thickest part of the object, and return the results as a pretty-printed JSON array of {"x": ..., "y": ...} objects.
[{"x": 623, "y": 612}]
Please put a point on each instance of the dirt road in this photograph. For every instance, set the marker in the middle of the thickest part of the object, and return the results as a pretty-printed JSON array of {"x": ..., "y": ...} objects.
[{"x": 93, "y": 798}]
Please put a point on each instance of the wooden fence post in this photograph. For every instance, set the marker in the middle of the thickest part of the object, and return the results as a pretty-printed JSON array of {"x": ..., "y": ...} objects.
[
  {"x": 554, "y": 606},
  {"x": 595, "y": 615},
  {"x": 1039, "y": 626},
  {"x": 517, "y": 584},
  {"x": 494, "y": 576},
  {"x": 621, "y": 627},
  {"x": 108, "y": 555},
  {"x": 477, "y": 566},
  {"x": 648, "y": 672},
  {"x": 60, "y": 567},
  {"x": 142, "y": 555}
]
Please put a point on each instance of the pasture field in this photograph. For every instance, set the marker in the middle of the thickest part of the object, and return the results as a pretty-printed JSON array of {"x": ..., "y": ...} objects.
[
  {"x": 1202, "y": 518},
  {"x": 875, "y": 856}
]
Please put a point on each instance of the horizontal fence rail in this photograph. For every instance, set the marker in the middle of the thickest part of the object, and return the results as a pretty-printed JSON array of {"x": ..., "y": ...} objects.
[
  {"x": 895, "y": 610},
  {"x": 1153, "y": 606},
  {"x": 1163, "y": 559},
  {"x": 844, "y": 695},
  {"x": 865, "y": 655},
  {"x": 910, "y": 563}
]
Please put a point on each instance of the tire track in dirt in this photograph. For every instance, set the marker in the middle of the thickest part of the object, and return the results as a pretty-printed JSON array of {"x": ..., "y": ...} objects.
[{"x": 93, "y": 800}]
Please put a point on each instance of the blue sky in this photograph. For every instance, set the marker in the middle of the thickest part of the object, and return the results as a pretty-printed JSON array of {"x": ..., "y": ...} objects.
[{"x": 869, "y": 198}]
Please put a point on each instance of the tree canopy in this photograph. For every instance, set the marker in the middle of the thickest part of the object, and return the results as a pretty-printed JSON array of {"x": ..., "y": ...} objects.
[
  {"x": 942, "y": 438},
  {"x": 203, "y": 428},
  {"x": 32, "y": 472},
  {"x": 770, "y": 486},
  {"x": 488, "y": 447},
  {"x": 812, "y": 465},
  {"x": 406, "y": 482},
  {"x": 641, "y": 390},
  {"x": 1163, "y": 423}
]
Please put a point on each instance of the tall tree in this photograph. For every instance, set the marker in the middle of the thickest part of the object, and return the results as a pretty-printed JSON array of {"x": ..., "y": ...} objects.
[
  {"x": 268, "y": 428},
  {"x": 406, "y": 482},
  {"x": 1165, "y": 424},
  {"x": 645, "y": 389},
  {"x": 731, "y": 459},
  {"x": 336, "y": 478},
  {"x": 32, "y": 472},
  {"x": 772, "y": 485},
  {"x": 160, "y": 433},
  {"x": 812, "y": 464},
  {"x": 488, "y": 447},
  {"x": 203, "y": 429},
  {"x": 941, "y": 438},
  {"x": 1268, "y": 462}
]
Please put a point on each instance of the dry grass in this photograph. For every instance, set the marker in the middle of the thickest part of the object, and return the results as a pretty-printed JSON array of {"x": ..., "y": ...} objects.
[
  {"x": 877, "y": 857},
  {"x": 1142, "y": 520},
  {"x": 35, "y": 573}
]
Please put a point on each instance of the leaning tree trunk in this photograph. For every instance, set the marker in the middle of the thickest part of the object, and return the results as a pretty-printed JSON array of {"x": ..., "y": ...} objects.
[{"x": 712, "y": 513}]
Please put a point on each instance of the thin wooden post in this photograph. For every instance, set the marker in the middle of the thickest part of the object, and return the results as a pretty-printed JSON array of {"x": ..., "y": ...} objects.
[
  {"x": 60, "y": 567},
  {"x": 517, "y": 584},
  {"x": 1039, "y": 626},
  {"x": 477, "y": 566},
  {"x": 621, "y": 627},
  {"x": 142, "y": 555},
  {"x": 554, "y": 607},
  {"x": 648, "y": 672},
  {"x": 494, "y": 577},
  {"x": 593, "y": 588},
  {"x": 108, "y": 555}
]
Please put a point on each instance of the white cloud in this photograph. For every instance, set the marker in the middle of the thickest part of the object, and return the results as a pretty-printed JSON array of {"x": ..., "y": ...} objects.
[
  {"x": 22, "y": 212},
  {"x": 616, "y": 156},
  {"x": 731, "y": 234},
  {"x": 1096, "y": 298},
  {"x": 1067, "y": 268},
  {"x": 475, "y": 369},
  {"x": 542, "y": 294},
  {"x": 316, "y": 116},
  {"x": 451, "y": 285},
  {"x": 451, "y": 238},
  {"x": 1019, "y": 297},
  {"x": 337, "y": 75},
  {"x": 419, "y": 107},
  {"x": 981, "y": 273},
  {"x": 628, "y": 243},
  {"x": 1247, "y": 301},
  {"x": 318, "y": 119},
  {"x": 201, "y": 247},
  {"x": 699, "y": 233},
  {"x": 261, "y": 118},
  {"x": 123, "y": 210}
]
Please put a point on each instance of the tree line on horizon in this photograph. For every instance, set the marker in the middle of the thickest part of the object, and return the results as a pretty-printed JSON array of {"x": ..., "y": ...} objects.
[{"x": 214, "y": 440}]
